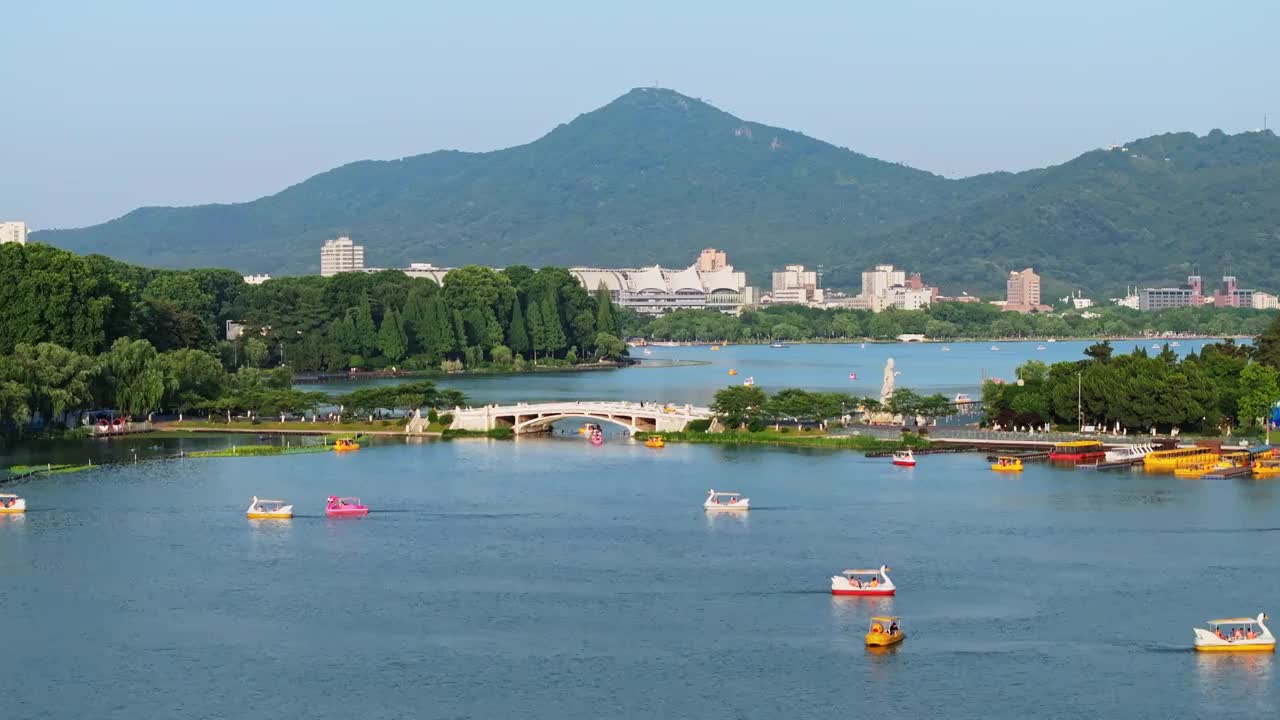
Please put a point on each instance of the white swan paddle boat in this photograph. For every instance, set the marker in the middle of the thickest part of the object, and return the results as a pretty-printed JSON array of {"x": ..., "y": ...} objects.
[
  {"x": 12, "y": 505},
  {"x": 1129, "y": 453},
  {"x": 867, "y": 583},
  {"x": 726, "y": 502},
  {"x": 1240, "y": 634},
  {"x": 904, "y": 458},
  {"x": 268, "y": 510}
]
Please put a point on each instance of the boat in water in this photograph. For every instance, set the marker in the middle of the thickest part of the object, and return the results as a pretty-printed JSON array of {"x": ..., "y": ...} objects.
[
  {"x": 1267, "y": 468},
  {"x": 961, "y": 398},
  {"x": 1040, "y": 347},
  {"x": 995, "y": 348},
  {"x": 726, "y": 502},
  {"x": 946, "y": 349},
  {"x": 904, "y": 458},
  {"x": 749, "y": 382},
  {"x": 1128, "y": 453},
  {"x": 1077, "y": 451},
  {"x": 885, "y": 630},
  {"x": 345, "y": 445},
  {"x": 655, "y": 441},
  {"x": 715, "y": 348},
  {"x": 1007, "y": 463},
  {"x": 268, "y": 509},
  {"x": 596, "y": 438},
  {"x": 1170, "y": 460},
  {"x": 868, "y": 583},
  {"x": 12, "y": 505},
  {"x": 1240, "y": 634},
  {"x": 345, "y": 507},
  {"x": 776, "y": 344}
]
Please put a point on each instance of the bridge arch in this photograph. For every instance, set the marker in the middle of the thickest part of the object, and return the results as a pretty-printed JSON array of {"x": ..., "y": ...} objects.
[{"x": 630, "y": 423}]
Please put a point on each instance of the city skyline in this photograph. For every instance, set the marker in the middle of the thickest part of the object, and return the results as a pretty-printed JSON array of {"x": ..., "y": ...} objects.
[{"x": 194, "y": 131}]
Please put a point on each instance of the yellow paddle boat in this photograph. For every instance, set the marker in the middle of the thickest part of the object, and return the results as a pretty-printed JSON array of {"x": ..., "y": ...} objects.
[
  {"x": 715, "y": 347},
  {"x": 1240, "y": 634},
  {"x": 12, "y": 505},
  {"x": 732, "y": 371},
  {"x": 345, "y": 445},
  {"x": 1266, "y": 469},
  {"x": 884, "y": 631},
  {"x": 1007, "y": 464},
  {"x": 655, "y": 441}
]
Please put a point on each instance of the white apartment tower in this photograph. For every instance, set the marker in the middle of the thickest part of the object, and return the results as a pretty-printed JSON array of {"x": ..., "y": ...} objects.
[
  {"x": 876, "y": 282},
  {"x": 339, "y": 256},
  {"x": 13, "y": 232}
]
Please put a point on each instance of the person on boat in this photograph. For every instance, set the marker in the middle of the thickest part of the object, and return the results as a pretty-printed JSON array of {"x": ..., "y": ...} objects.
[
  {"x": 893, "y": 628},
  {"x": 1251, "y": 635},
  {"x": 875, "y": 582},
  {"x": 1237, "y": 634},
  {"x": 1218, "y": 631}
]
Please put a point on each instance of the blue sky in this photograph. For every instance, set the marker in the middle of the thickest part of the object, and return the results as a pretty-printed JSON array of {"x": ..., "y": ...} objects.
[{"x": 111, "y": 106}]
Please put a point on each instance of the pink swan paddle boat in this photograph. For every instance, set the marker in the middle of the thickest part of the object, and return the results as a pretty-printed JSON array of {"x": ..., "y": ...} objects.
[{"x": 345, "y": 507}]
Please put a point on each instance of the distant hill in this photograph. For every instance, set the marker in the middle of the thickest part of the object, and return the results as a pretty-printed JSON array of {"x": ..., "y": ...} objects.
[
  {"x": 1153, "y": 211},
  {"x": 654, "y": 176}
]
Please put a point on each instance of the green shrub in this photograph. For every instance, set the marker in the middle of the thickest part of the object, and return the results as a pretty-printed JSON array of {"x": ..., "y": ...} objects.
[
  {"x": 756, "y": 426},
  {"x": 433, "y": 416},
  {"x": 698, "y": 426},
  {"x": 445, "y": 419}
]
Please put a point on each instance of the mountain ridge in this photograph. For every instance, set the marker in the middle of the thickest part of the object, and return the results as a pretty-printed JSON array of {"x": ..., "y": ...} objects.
[{"x": 654, "y": 176}]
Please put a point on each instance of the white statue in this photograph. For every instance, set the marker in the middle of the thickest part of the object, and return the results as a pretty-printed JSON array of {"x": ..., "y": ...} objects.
[{"x": 886, "y": 389}]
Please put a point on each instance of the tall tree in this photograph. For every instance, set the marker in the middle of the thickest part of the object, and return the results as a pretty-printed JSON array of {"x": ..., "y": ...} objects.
[
  {"x": 517, "y": 332},
  {"x": 135, "y": 376},
  {"x": 415, "y": 320},
  {"x": 52, "y": 379},
  {"x": 366, "y": 331},
  {"x": 552, "y": 326},
  {"x": 391, "y": 337},
  {"x": 1268, "y": 345},
  {"x": 605, "y": 321},
  {"x": 537, "y": 328}
]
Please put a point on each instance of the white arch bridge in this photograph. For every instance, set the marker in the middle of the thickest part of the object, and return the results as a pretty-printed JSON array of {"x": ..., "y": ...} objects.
[{"x": 525, "y": 418}]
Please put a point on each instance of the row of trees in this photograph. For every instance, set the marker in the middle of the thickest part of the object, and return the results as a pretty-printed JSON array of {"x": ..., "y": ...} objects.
[
  {"x": 478, "y": 316},
  {"x": 750, "y": 406},
  {"x": 1225, "y": 385},
  {"x": 946, "y": 321},
  {"x": 46, "y": 382}
]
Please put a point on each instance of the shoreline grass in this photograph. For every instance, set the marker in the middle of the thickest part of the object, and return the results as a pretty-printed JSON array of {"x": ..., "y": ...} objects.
[
  {"x": 258, "y": 451},
  {"x": 794, "y": 439}
]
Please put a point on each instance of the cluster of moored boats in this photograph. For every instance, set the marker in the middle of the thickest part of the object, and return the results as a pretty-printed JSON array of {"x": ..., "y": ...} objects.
[{"x": 1239, "y": 634}]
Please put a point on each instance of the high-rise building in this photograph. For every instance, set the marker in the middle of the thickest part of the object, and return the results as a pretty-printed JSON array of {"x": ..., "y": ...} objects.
[
  {"x": 1023, "y": 289},
  {"x": 13, "y": 232},
  {"x": 1265, "y": 301},
  {"x": 341, "y": 255},
  {"x": 795, "y": 285},
  {"x": 875, "y": 282},
  {"x": 1231, "y": 295},
  {"x": 711, "y": 260}
]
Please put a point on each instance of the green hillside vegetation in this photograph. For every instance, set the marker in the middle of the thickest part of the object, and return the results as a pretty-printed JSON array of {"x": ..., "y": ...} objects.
[
  {"x": 655, "y": 176},
  {"x": 1156, "y": 211},
  {"x": 652, "y": 177}
]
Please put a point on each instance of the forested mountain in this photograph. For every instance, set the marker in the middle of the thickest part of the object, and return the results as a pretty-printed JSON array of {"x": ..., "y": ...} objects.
[
  {"x": 655, "y": 176},
  {"x": 1153, "y": 211},
  {"x": 652, "y": 177}
]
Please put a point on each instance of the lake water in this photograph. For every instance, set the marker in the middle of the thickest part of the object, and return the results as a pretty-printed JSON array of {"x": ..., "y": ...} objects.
[
  {"x": 547, "y": 579},
  {"x": 923, "y": 366}
]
